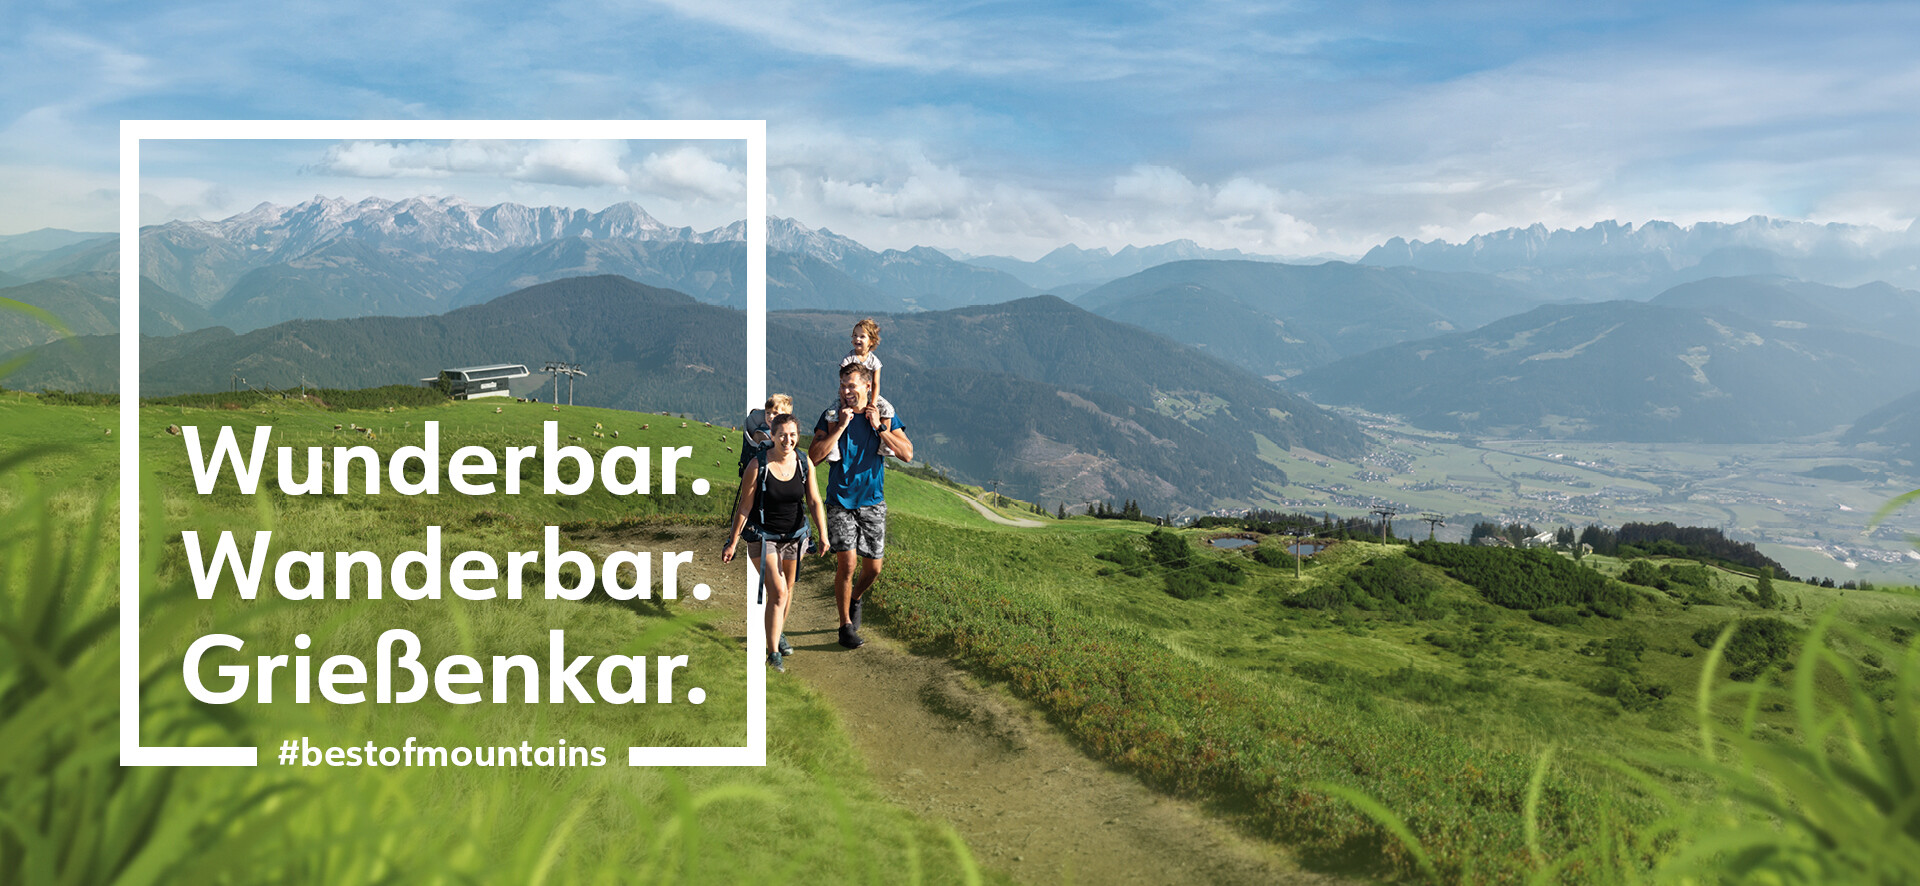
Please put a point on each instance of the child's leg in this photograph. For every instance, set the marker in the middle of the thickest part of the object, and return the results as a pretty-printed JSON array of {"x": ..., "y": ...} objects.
[{"x": 886, "y": 418}]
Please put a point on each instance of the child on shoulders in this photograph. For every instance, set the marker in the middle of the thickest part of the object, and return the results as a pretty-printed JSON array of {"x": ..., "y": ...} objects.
[{"x": 866, "y": 337}]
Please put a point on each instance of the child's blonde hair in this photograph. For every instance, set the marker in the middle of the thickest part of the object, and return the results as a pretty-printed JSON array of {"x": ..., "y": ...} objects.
[
  {"x": 872, "y": 330},
  {"x": 779, "y": 404}
]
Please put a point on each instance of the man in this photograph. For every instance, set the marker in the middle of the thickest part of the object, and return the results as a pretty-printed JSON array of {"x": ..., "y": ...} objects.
[{"x": 856, "y": 489}]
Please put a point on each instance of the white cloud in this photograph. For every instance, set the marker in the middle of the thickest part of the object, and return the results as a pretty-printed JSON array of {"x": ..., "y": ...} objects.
[
  {"x": 1160, "y": 185},
  {"x": 583, "y": 164},
  {"x": 1014, "y": 128},
  {"x": 927, "y": 192},
  {"x": 690, "y": 172},
  {"x": 578, "y": 163},
  {"x": 897, "y": 193},
  {"x": 369, "y": 159},
  {"x": 1037, "y": 41}
]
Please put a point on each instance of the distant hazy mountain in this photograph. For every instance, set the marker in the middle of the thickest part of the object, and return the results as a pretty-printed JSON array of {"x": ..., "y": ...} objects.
[
  {"x": 645, "y": 348},
  {"x": 1895, "y": 426},
  {"x": 95, "y": 253},
  {"x": 348, "y": 277},
  {"x": 1626, "y": 370},
  {"x": 163, "y": 313},
  {"x": 88, "y": 304},
  {"x": 1874, "y": 308},
  {"x": 1615, "y": 260},
  {"x": 1064, "y": 405},
  {"x": 917, "y": 279},
  {"x": 1225, "y": 327},
  {"x": 20, "y": 254},
  {"x": 1070, "y": 265},
  {"x": 1274, "y": 319},
  {"x": 708, "y": 272}
]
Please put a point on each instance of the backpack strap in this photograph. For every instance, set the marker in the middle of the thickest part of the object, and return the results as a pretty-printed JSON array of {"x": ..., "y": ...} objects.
[{"x": 760, "y": 495}]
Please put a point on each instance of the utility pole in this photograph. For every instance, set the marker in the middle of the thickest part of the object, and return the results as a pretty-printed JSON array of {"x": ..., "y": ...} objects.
[
  {"x": 1385, "y": 513},
  {"x": 559, "y": 368},
  {"x": 1433, "y": 520}
]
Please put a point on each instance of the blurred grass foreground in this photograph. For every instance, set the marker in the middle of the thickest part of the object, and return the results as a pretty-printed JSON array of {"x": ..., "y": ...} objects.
[{"x": 71, "y": 814}]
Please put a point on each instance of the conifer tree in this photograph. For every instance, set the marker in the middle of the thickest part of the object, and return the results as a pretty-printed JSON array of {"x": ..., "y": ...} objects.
[{"x": 1769, "y": 599}]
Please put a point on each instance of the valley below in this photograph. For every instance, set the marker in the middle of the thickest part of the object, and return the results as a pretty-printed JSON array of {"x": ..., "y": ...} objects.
[{"x": 1809, "y": 504}]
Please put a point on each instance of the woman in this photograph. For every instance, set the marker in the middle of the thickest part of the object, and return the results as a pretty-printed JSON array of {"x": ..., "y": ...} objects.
[{"x": 776, "y": 496}]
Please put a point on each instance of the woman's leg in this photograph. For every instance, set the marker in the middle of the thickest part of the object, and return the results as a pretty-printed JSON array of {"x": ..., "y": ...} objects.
[
  {"x": 779, "y": 593},
  {"x": 790, "y": 569}
]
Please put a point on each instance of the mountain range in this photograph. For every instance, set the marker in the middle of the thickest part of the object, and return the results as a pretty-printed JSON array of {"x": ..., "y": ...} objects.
[
  {"x": 1050, "y": 398},
  {"x": 1277, "y": 320},
  {"x": 1503, "y": 331},
  {"x": 437, "y": 253},
  {"x": 1895, "y": 426},
  {"x": 1631, "y": 371},
  {"x": 1056, "y": 403},
  {"x": 89, "y": 304},
  {"x": 1611, "y": 259},
  {"x": 1070, "y": 270},
  {"x": 330, "y": 259}
]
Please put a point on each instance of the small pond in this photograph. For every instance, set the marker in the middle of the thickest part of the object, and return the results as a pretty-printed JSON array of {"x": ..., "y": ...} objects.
[{"x": 1298, "y": 549}]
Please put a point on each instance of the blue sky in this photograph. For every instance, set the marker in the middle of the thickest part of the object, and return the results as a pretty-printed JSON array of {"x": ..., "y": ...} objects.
[{"x": 1288, "y": 128}]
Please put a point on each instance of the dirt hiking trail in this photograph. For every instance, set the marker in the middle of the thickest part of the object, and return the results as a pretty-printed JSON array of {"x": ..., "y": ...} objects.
[
  {"x": 990, "y": 515},
  {"x": 950, "y": 747}
]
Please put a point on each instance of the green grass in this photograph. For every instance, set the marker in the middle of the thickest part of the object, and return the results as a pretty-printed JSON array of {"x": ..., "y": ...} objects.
[
  {"x": 1398, "y": 740},
  {"x": 1282, "y": 713},
  {"x": 74, "y": 816}
]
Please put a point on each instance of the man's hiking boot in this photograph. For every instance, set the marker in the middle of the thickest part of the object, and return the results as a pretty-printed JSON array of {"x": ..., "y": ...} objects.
[{"x": 850, "y": 638}]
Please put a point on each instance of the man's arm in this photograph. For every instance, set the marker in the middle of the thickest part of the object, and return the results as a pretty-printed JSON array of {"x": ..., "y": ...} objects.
[{"x": 896, "y": 438}]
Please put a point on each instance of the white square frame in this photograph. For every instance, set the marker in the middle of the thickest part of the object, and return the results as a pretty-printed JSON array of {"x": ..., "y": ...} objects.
[{"x": 132, "y": 132}]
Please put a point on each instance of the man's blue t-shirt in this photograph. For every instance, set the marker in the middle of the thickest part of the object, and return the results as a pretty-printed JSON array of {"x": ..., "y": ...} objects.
[{"x": 859, "y": 478}]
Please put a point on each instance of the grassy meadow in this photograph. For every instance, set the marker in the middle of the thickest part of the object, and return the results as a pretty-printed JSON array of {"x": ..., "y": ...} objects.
[
  {"x": 1380, "y": 714},
  {"x": 1493, "y": 740},
  {"x": 77, "y": 817}
]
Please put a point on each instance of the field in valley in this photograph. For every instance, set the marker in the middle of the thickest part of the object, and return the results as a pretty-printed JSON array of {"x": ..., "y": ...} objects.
[{"x": 1807, "y": 505}]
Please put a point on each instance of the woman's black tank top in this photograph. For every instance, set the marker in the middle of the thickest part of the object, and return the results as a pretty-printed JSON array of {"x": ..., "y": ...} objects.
[{"x": 785, "y": 502}]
